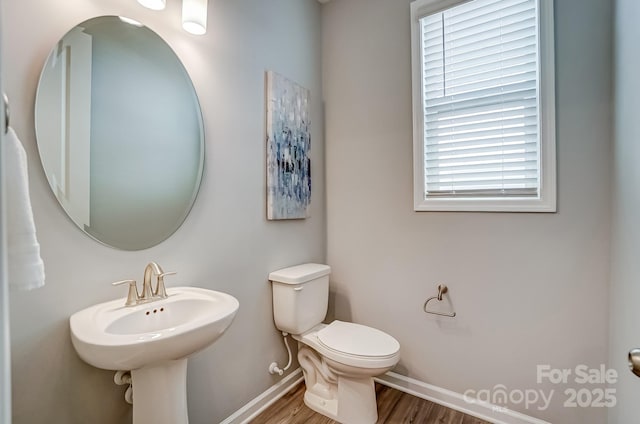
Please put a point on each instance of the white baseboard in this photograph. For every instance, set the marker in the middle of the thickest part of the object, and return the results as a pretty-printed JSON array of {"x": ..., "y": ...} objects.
[
  {"x": 265, "y": 399},
  {"x": 456, "y": 401}
]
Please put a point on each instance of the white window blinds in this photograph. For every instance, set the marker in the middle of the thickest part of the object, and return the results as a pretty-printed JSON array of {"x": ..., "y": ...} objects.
[{"x": 480, "y": 94}]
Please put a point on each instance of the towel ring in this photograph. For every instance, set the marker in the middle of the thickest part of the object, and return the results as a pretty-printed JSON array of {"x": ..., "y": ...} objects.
[
  {"x": 442, "y": 289},
  {"x": 5, "y": 99}
]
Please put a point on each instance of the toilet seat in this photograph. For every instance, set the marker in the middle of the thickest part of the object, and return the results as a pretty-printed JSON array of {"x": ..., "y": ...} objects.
[
  {"x": 358, "y": 340},
  {"x": 354, "y": 344}
]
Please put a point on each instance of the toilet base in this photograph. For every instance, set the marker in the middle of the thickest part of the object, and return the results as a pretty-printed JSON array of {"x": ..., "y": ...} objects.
[
  {"x": 326, "y": 407},
  {"x": 342, "y": 393},
  {"x": 355, "y": 404}
]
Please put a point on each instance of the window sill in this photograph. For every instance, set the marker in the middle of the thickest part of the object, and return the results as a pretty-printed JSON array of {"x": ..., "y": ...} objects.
[{"x": 512, "y": 204}]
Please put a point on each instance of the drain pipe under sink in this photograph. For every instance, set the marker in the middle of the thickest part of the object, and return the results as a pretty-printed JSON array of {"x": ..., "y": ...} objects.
[{"x": 124, "y": 377}]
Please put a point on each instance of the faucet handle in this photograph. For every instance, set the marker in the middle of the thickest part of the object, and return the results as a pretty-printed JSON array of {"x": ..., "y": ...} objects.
[
  {"x": 160, "y": 289},
  {"x": 132, "y": 295}
]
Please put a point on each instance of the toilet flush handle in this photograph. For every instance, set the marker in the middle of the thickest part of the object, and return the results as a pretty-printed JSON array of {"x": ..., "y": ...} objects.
[{"x": 298, "y": 288}]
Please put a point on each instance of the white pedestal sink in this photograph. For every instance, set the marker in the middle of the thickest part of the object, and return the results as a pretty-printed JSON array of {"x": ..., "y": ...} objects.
[{"x": 153, "y": 340}]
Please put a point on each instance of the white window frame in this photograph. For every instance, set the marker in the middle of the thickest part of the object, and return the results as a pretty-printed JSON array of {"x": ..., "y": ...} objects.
[{"x": 546, "y": 200}]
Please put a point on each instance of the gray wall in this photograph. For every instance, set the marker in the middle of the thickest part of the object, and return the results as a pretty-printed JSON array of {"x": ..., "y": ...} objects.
[
  {"x": 529, "y": 289},
  {"x": 625, "y": 231},
  {"x": 225, "y": 243}
]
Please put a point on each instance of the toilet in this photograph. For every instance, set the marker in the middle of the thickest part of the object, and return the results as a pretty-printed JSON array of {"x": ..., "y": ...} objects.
[{"x": 340, "y": 359}]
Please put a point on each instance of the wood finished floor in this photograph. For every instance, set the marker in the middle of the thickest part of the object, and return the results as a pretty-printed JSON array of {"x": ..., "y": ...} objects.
[{"x": 394, "y": 407}]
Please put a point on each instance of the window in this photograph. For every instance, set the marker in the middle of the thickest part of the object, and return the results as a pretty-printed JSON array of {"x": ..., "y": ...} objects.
[{"x": 483, "y": 105}]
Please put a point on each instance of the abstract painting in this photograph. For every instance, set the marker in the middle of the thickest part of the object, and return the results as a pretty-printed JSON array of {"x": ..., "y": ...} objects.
[{"x": 288, "y": 148}]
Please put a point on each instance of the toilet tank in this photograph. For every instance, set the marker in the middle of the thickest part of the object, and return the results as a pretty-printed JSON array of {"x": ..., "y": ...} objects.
[{"x": 300, "y": 297}]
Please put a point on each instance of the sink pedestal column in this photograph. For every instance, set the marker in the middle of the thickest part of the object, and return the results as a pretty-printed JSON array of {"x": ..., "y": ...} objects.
[{"x": 160, "y": 393}]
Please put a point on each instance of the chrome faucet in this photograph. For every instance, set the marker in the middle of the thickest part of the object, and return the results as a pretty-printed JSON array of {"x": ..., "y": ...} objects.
[{"x": 148, "y": 293}]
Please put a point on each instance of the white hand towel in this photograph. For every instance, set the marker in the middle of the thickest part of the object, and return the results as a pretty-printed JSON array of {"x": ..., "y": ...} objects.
[{"x": 26, "y": 269}]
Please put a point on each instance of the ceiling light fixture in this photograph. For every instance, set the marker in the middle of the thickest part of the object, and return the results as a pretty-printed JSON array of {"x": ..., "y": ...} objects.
[{"x": 194, "y": 16}]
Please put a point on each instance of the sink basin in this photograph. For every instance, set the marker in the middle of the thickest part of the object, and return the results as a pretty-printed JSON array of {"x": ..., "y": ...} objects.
[
  {"x": 153, "y": 341},
  {"x": 115, "y": 337}
]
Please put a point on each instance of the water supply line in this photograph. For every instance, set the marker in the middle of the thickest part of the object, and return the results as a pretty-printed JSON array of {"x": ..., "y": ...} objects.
[{"x": 273, "y": 367}]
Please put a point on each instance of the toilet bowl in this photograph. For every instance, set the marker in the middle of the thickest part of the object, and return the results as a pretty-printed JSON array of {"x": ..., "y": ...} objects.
[
  {"x": 340, "y": 359},
  {"x": 339, "y": 362}
]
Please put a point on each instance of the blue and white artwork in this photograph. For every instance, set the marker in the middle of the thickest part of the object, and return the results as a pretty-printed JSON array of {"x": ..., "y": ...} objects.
[{"x": 288, "y": 148}]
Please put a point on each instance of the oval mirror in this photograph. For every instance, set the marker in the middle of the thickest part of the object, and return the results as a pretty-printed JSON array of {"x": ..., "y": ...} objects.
[{"x": 119, "y": 131}]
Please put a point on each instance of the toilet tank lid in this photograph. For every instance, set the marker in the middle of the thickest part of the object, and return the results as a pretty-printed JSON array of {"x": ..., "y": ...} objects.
[{"x": 300, "y": 273}]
